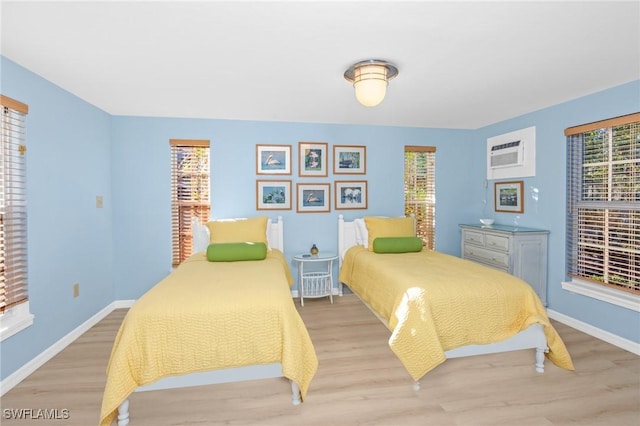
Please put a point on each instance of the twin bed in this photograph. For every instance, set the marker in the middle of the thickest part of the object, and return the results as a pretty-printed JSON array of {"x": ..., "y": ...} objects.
[
  {"x": 242, "y": 323},
  {"x": 213, "y": 322},
  {"x": 439, "y": 306}
]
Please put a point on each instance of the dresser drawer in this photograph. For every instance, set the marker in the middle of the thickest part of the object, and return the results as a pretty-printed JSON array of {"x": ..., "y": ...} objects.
[
  {"x": 495, "y": 258},
  {"x": 472, "y": 237},
  {"x": 496, "y": 242}
]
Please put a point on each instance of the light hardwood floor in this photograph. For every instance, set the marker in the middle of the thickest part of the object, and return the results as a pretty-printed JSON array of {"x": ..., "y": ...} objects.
[{"x": 359, "y": 382}]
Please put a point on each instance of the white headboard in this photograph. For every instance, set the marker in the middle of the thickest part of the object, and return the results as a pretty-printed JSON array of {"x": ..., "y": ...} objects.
[
  {"x": 275, "y": 235},
  {"x": 346, "y": 236}
]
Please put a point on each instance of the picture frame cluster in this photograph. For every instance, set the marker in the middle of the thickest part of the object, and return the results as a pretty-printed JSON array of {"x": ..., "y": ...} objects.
[{"x": 313, "y": 162}]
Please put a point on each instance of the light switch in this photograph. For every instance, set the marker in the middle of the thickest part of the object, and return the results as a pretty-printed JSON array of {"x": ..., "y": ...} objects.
[{"x": 98, "y": 201}]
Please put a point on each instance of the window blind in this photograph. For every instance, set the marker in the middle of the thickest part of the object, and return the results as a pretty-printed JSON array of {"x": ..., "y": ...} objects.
[
  {"x": 603, "y": 202},
  {"x": 13, "y": 205},
  {"x": 189, "y": 193},
  {"x": 420, "y": 190}
]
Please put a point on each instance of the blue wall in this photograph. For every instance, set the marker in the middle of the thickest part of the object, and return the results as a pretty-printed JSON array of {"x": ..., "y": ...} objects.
[
  {"x": 77, "y": 151},
  {"x": 549, "y": 210},
  {"x": 141, "y": 184},
  {"x": 69, "y": 239}
]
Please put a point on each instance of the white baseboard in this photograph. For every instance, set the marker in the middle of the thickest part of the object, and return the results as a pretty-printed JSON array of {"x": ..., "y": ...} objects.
[
  {"x": 596, "y": 332},
  {"x": 121, "y": 304},
  {"x": 19, "y": 375}
]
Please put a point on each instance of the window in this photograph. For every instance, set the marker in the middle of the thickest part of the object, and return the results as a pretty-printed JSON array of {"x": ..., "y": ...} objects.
[
  {"x": 420, "y": 190},
  {"x": 189, "y": 193},
  {"x": 603, "y": 210},
  {"x": 14, "y": 298}
]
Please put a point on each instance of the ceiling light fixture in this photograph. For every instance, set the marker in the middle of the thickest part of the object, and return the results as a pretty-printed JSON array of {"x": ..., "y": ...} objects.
[{"x": 370, "y": 79}]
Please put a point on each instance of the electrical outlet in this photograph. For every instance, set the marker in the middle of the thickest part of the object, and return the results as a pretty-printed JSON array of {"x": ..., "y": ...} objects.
[
  {"x": 98, "y": 201},
  {"x": 76, "y": 290}
]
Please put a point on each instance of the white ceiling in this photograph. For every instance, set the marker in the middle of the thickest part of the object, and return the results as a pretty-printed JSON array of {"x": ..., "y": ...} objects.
[{"x": 462, "y": 64}]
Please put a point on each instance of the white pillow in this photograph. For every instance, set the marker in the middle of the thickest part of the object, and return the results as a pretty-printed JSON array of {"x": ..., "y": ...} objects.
[
  {"x": 269, "y": 234},
  {"x": 200, "y": 237},
  {"x": 362, "y": 235}
]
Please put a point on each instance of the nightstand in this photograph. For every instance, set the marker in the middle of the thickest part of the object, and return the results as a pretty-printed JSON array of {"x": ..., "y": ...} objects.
[{"x": 315, "y": 275}]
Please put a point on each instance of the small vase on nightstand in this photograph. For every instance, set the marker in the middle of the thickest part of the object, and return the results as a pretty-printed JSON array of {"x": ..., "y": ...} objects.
[{"x": 314, "y": 250}]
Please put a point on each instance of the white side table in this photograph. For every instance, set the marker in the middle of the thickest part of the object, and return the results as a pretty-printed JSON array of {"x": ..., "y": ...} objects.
[{"x": 317, "y": 281}]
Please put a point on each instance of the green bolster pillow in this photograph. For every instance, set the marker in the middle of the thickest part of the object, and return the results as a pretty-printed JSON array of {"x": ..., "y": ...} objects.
[
  {"x": 234, "y": 252},
  {"x": 397, "y": 245}
]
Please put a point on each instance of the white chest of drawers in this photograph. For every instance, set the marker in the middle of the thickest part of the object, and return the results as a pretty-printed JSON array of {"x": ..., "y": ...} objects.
[{"x": 519, "y": 251}]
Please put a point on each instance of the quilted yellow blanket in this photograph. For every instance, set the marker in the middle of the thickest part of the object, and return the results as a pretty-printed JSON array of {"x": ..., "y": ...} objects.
[
  {"x": 206, "y": 316},
  {"x": 434, "y": 302}
]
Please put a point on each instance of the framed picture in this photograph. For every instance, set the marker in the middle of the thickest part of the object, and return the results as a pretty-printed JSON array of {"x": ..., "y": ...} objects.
[
  {"x": 313, "y": 159},
  {"x": 313, "y": 197},
  {"x": 273, "y": 159},
  {"x": 350, "y": 195},
  {"x": 350, "y": 159},
  {"x": 508, "y": 197},
  {"x": 273, "y": 195}
]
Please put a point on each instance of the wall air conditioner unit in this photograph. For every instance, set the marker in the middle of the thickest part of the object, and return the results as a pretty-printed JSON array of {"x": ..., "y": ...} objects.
[
  {"x": 506, "y": 154},
  {"x": 512, "y": 154}
]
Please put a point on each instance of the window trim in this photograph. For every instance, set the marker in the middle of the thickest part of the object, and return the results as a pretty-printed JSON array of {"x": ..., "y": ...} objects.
[
  {"x": 429, "y": 240},
  {"x": 177, "y": 205},
  {"x": 17, "y": 317},
  {"x": 573, "y": 284},
  {"x": 610, "y": 295},
  {"x": 610, "y": 122}
]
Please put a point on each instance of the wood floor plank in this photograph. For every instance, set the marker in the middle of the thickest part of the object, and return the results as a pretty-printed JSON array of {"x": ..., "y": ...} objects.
[{"x": 359, "y": 382}]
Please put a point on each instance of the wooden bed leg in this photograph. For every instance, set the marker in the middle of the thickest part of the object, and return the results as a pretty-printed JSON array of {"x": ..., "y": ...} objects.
[
  {"x": 540, "y": 359},
  {"x": 295, "y": 393},
  {"x": 416, "y": 386},
  {"x": 123, "y": 413}
]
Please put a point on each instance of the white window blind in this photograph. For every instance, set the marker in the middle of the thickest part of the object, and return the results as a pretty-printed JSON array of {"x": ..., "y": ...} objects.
[
  {"x": 603, "y": 205},
  {"x": 13, "y": 205},
  {"x": 420, "y": 190},
  {"x": 189, "y": 193}
]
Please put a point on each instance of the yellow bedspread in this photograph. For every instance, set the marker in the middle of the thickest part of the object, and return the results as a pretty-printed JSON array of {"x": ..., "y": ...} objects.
[
  {"x": 210, "y": 315},
  {"x": 434, "y": 302}
]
